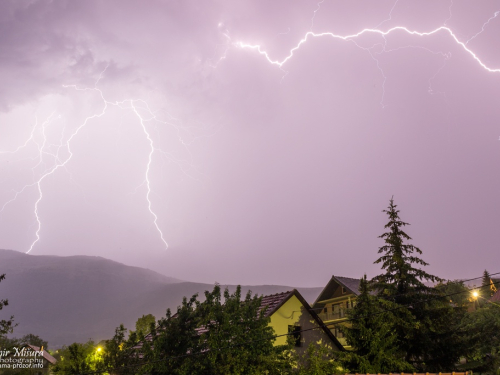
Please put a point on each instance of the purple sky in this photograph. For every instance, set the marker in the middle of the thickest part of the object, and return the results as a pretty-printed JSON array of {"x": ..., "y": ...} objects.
[{"x": 257, "y": 173}]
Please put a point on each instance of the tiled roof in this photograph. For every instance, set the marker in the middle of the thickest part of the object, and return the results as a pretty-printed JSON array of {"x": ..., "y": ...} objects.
[
  {"x": 273, "y": 302},
  {"x": 350, "y": 283}
]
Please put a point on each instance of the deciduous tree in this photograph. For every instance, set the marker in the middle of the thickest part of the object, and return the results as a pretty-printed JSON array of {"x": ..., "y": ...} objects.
[
  {"x": 75, "y": 359},
  {"x": 482, "y": 334},
  {"x": 319, "y": 360},
  {"x": 221, "y": 335},
  {"x": 117, "y": 355},
  {"x": 143, "y": 324}
]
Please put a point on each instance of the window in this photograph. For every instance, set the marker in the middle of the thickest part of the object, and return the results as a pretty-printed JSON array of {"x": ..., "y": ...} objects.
[
  {"x": 344, "y": 291},
  {"x": 296, "y": 334}
]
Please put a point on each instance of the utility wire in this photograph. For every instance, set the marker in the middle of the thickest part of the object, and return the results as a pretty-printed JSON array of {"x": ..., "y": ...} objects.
[{"x": 406, "y": 294}]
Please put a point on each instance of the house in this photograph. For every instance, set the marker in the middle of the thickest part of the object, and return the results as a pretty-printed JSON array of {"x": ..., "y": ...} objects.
[
  {"x": 290, "y": 313},
  {"x": 332, "y": 304}
]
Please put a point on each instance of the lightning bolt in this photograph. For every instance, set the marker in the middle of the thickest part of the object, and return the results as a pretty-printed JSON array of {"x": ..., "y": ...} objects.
[
  {"x": 318, "y": 6},
  {"x": 148, "y": 167},
  {"x": 351, "y": 37},
  {"x": 50, "y": 159},
  {"x": 449, "y": 13},
  {"x": 390, "y": 15},
  {"x": 226, "y": 45},
  {"x": 43, "y": 151},
  {"x": 495, "y": 15}
]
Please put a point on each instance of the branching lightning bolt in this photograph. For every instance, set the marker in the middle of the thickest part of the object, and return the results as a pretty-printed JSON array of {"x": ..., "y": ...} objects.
[
  {"x": 390, "y": 15},
  {"x": 58, "y": 164},
  {"x": 45, "y": 150},
  {"x": 482, "y": 28},
  {"x": 318, "y": 6},
  {"x": 351, "y": 37}
]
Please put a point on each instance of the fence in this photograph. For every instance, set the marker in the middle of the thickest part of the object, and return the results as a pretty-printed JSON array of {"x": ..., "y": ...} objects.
[{"x": 422, "y": 373}]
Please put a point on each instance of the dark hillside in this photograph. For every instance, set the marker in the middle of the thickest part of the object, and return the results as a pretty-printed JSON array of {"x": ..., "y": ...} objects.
[{"x": 68, "y": 299}]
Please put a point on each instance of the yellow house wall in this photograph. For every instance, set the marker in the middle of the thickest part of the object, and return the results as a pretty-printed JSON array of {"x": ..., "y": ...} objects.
[{"x": 294, "y": 313}]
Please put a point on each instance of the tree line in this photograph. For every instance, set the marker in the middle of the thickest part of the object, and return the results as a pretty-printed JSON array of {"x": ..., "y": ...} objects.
[{"x": 404, "y": 320}]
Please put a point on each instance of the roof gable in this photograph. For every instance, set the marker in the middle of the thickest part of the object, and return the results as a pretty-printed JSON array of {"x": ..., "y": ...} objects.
[
  {"x": 273, "y": 303},
  {"x": 351, "y": 285}
]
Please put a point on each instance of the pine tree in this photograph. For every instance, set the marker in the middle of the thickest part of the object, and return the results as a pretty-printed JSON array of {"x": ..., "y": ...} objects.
[
  {"x": 488, "y": 287},
  {"x": 426, "y": 342},
  {"x": 401, "y": 282}
]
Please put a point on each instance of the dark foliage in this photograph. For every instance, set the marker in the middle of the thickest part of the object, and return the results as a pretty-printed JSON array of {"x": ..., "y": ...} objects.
[
  {"x": 221, "y": 335},
  {"x": 75, "y": 359},
  {"x": 370, "y": 333},
  {"x": 6, "y": 325},
  {"x": 482, "y": 334}
]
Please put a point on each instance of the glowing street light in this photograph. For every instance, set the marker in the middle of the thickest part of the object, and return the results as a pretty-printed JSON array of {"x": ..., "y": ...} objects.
[{"x": 475, "y": 294}]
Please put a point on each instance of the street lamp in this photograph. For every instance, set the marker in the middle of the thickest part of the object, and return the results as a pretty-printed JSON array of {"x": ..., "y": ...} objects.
[{"x": 475, "y": 295}]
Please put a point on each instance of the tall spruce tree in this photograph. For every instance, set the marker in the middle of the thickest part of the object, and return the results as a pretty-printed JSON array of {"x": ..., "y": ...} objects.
[
  {"x": 488, "y": 287},
  {"x": 486, "y": 278},
  {"x": 426, "y": 342},
  {"x": 401, "y": 282}
]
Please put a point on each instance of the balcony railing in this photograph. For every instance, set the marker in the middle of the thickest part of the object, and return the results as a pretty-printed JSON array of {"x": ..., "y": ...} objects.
[{"x": 332, "y": 316}]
